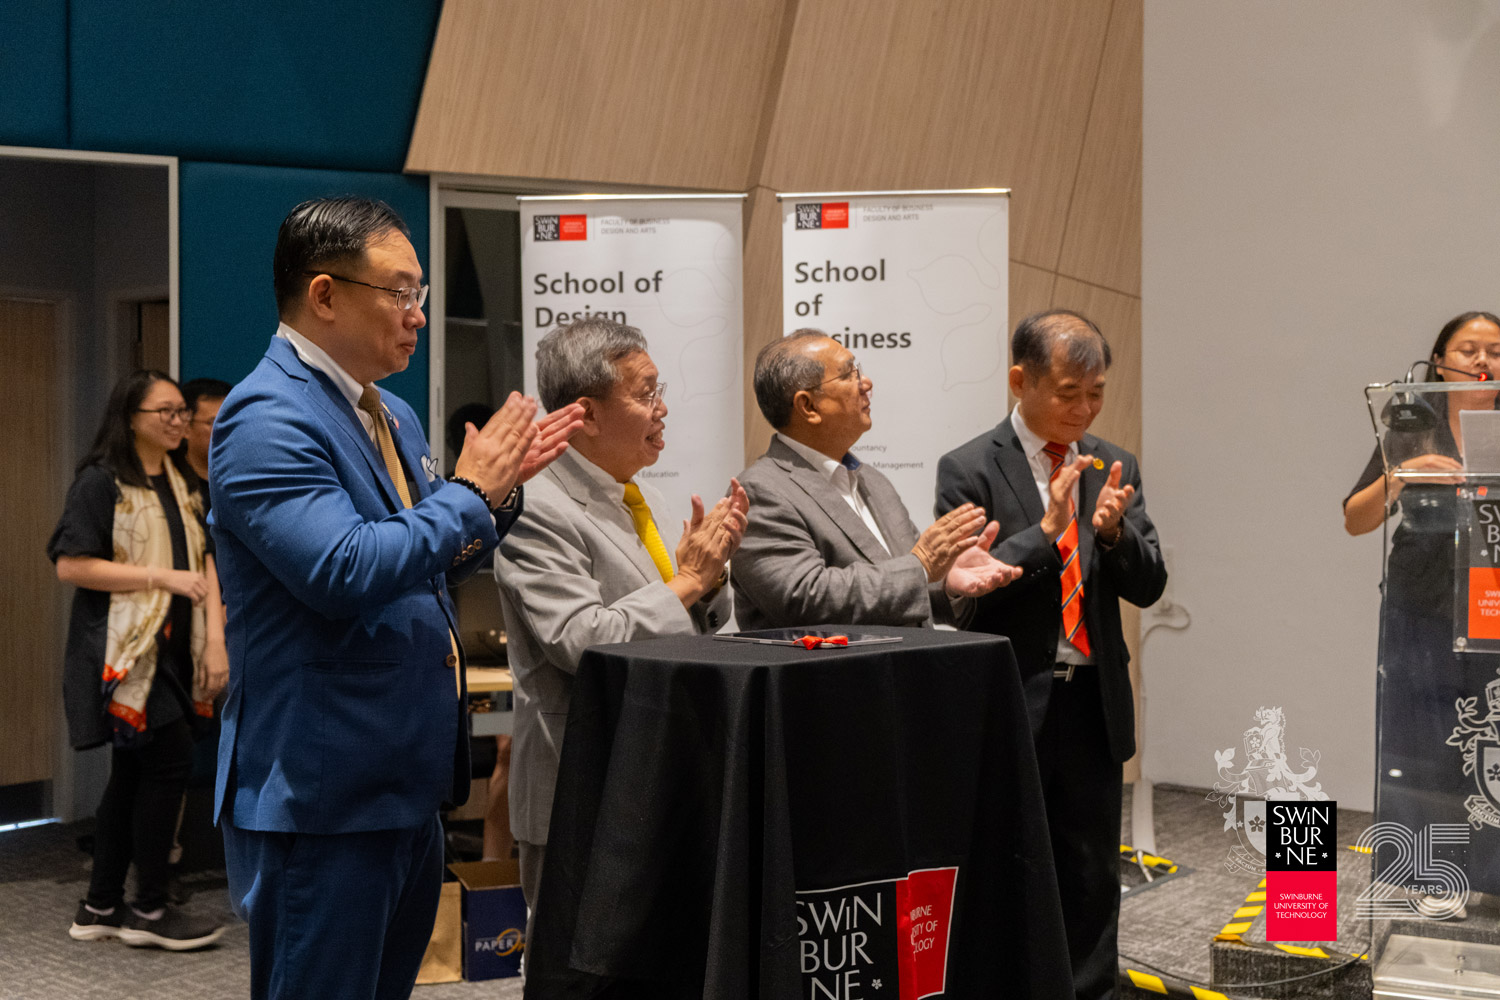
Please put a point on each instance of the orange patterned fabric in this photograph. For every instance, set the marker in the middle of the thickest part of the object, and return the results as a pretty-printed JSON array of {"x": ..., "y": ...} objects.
[{"x": 1072, "y": 572}]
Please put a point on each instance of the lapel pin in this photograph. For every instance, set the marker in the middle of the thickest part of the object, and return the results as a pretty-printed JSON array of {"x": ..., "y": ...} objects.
[{"x": 1098, "y": 463}]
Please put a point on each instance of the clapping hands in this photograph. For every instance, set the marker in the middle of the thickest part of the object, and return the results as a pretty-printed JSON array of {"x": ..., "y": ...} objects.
[{"x": 976, "y": 572}]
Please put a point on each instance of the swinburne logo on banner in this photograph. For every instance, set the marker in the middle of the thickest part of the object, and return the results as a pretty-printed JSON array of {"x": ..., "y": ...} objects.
[
  {"x": 1301, "y": 875},
  {"x": 549, "y": 228},
  {"x": 823, "y": 215},
  {"x": 877, "y": 939}
]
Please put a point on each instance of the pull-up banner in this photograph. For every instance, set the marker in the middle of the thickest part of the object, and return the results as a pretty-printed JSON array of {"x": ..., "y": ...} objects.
[
  {"x": 916, "y": 284},
  {"x": 669, "y": 265}
]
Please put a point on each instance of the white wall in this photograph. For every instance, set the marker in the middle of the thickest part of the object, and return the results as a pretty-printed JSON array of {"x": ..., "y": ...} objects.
[{"x": 1321, "y": 192}]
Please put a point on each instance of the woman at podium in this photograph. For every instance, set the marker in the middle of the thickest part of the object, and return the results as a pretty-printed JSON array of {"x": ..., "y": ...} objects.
[{"x": 1421, "y": 777}]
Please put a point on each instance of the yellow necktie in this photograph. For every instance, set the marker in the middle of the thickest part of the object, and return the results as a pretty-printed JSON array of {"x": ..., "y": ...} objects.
[
  {"x": 645, "y": 527},
  {"x": 370, "y": 403}
]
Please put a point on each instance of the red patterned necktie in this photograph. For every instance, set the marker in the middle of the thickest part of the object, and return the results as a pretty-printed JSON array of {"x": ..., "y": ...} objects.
[{"x": 1072, "y": 572}]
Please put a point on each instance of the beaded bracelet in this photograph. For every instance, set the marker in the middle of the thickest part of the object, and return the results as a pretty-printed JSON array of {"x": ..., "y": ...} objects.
[{"x": 475, "y": 488}]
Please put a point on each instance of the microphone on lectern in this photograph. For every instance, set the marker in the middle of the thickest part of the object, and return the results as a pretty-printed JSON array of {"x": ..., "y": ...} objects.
[{"x": 1410, "y": 412}]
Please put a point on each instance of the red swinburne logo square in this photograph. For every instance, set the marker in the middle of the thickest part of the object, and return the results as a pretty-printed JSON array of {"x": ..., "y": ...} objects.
[
  {"x": 835, "y": 215},
  {"x": 573, "y": 227},
  {"x": 1484, "y": 602}
]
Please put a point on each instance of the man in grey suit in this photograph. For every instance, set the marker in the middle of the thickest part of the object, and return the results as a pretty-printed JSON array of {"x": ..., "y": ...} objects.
[
  {"x": 829, "y": 541},
  {"x": 585, "y": 564}
]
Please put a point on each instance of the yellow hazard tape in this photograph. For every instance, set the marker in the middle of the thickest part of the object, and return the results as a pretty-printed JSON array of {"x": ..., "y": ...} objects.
[
  {"x": 1248, "y": 911},
  {"x": 1146, "y": 982},
  {"x": 1362, "y": 850},
  {"x": 1170, "y": 987},
  {"x": 1151, "y": 860},
  {"x": 1256, "y": 897},
  {"x": 1236, "y": 928},
  {"x": 1292, "y": 949}
]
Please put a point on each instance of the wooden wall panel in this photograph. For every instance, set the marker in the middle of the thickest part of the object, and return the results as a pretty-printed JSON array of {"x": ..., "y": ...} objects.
[
  {"x": 885, "y": 94},
  {"x": 1030, "y": 291},
  {"x": 30, "y": 652},
  {"x": 1102, "y": 243},
  {"x": 652, "y": 92}
]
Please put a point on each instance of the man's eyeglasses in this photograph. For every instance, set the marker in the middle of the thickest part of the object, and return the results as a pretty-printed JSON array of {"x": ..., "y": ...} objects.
[
  {"x": 852, "y": 371},
  {"x": 170, "y": 414},
  {"x": 405, "y": 297},
  {"x": 652, "y": 397}
]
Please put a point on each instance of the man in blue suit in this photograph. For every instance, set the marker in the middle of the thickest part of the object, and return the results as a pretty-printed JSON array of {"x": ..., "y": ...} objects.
[{"x": 344, "y": 730}]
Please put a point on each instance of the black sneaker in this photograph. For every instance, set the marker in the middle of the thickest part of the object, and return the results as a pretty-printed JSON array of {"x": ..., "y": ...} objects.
[
  {"x": 174, "y": 930},
  {"x": 91, "y": 926}
]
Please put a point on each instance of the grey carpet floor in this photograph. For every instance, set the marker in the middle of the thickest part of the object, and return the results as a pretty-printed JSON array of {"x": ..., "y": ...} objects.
[{"x": 43, "y": 875}]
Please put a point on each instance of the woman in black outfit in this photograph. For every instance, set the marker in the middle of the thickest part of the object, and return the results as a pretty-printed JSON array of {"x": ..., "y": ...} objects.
[
  {"x": 1422, "y": 779},
  {"x": 145, "y": 652}
]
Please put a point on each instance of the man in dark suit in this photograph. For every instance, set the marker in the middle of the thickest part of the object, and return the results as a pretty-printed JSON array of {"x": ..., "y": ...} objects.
[
  {"x": 1073, "y": 517},
  {"x": 344, "y": 727},
  {"x": 829, "y": 540}
]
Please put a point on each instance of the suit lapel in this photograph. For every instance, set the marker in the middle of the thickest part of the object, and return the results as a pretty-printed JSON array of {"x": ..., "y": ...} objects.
[
  {"x": 889, "y": 513},
  {"x": 338, "y": 412},
  {"x": 812, "y": 482},
  {"x": 1016, "y": 469},
  {"x": 405, "y": 440},
  {"x": 1089, "y": 485},
  {"x": 342, "y": 415},
  {"x": 611, "y": 516}
]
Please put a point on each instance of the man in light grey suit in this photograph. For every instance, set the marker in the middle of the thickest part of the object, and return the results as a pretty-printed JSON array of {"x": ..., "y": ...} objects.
[
  {"x": 829, "y": 541},
  {"x": 585, "y": 564}
]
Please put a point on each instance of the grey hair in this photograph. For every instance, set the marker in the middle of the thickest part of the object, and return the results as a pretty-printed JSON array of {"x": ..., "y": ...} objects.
[
  {"x": 578, "y": 359},
  {"x": 782, "y": 371},
  {"x": 1085, "y": 351}
]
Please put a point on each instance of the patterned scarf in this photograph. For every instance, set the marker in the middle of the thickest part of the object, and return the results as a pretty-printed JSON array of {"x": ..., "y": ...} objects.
[{"x": 142, "y": 538}]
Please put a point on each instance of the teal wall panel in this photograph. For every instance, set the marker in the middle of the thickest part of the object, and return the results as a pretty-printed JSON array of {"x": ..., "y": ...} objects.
[
  {"x": 34, "y": 74},
  {"x": 229, "y": 217},
  {"x": 333, "y": 84}
]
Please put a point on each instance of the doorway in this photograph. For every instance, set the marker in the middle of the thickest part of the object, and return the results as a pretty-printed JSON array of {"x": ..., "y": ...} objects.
[{"x": 88, "y": 255}]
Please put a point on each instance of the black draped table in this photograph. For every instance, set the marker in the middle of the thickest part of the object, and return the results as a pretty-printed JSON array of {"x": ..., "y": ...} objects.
[{"x": 744, "y": 821}]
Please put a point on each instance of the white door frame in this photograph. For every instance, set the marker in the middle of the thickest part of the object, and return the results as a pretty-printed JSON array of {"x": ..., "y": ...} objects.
[{"x": 129, "y": 159}]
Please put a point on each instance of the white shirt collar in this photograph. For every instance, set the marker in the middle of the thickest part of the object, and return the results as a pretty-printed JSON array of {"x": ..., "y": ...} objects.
[
  {"x": 827, "y": 466},
  {"x": 315, "y": 357},
  {"x": 1030, "y": 443}
]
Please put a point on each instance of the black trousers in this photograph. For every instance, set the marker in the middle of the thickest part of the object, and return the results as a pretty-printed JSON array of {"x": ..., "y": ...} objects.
[
  {"x": 138, "y": 816},
  {"x": 1081, "y": 784}
]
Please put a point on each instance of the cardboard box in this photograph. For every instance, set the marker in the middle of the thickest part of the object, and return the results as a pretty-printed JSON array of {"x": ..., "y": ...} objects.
[
  {"x": 494, "y": 918},
  {"x": 443, "y": 961}
]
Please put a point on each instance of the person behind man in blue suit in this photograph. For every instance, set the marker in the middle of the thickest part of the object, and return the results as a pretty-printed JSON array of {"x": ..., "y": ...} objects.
[{"x": 344, "y": 728}]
